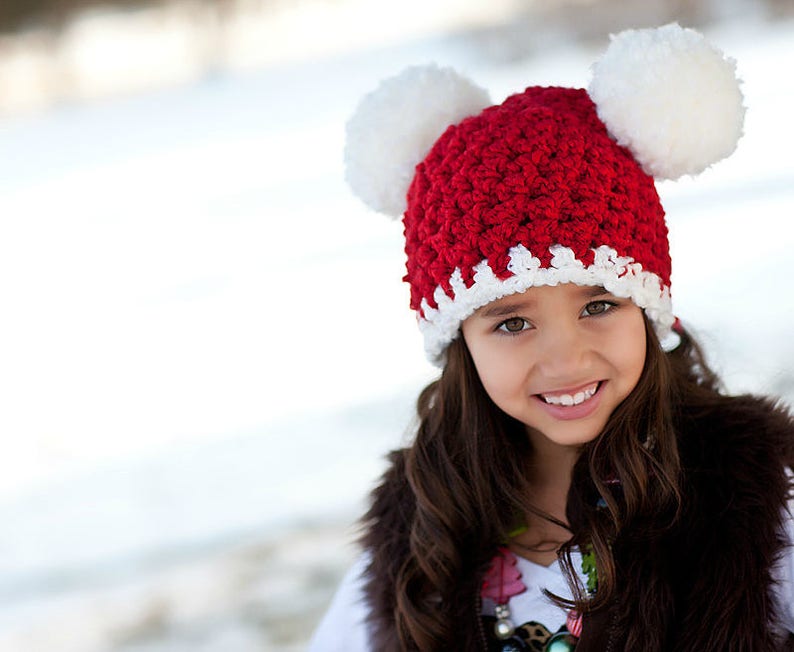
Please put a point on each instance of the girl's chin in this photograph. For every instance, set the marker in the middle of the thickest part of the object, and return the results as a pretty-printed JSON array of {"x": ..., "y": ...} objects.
[{"x": 563, "y": 437}]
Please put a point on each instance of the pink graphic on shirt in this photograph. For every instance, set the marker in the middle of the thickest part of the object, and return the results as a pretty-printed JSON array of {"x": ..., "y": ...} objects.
[{"x": 503, "y": 579}]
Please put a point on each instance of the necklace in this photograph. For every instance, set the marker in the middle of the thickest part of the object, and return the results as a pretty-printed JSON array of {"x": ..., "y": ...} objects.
[{"x": 502, "y": 582}]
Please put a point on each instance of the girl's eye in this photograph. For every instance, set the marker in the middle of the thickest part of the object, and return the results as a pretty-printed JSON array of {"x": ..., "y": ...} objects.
[
  {"x": 513, "y": 325},
  {"x": 597, "y": 308}
]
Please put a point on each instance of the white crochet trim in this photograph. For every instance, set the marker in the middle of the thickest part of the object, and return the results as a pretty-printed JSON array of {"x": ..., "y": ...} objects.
[{"x": 619, "y": 275}]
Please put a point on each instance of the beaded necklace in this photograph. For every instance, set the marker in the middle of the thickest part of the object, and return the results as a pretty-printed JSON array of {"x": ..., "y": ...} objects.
[{"x": 503, "y": 581}]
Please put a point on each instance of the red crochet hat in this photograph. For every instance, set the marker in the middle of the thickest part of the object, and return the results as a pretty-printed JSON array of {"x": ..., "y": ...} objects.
[{"x": 552, "y": 186}]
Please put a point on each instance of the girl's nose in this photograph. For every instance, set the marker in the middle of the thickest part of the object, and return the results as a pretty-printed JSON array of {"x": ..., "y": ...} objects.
[{"x": 563, "y": 352}]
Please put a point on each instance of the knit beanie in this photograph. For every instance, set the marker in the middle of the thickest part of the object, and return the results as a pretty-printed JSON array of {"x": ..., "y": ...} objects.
[{"x": 554, "y": 185}]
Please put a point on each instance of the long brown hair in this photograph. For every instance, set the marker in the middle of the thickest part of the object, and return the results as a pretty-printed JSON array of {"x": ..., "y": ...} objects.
[{"x": 467, "y": 469}]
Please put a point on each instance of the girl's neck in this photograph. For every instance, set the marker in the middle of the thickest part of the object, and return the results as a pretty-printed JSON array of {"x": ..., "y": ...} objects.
[
  {"x": 550, "y": 479},
  {"x": 551, "y": 467}
]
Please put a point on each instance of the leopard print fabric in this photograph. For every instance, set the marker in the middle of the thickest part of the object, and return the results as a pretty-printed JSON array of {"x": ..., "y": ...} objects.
[{"x": 532, "y": 636}]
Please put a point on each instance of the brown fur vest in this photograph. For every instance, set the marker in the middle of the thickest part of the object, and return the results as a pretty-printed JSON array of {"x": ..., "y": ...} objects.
[{"x": 703, "y": 585}]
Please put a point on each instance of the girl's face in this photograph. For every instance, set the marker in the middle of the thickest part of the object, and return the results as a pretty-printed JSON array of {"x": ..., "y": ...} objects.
[{"x": 559, "y": 359}]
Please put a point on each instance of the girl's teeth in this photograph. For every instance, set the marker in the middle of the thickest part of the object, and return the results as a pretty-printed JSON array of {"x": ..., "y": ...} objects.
[{"x": 568, "y": 400}]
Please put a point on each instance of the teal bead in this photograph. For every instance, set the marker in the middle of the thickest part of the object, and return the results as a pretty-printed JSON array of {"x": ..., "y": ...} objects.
[
  {"x": 513, "y": 645},
  {"x": 561, "y": 642}
]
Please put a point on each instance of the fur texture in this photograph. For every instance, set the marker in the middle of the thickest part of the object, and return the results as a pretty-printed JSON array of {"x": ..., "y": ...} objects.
[{"x": 702, "y": 584}]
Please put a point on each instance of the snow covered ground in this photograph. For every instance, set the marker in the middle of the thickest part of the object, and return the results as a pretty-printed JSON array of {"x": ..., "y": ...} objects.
[{"x": 206, "y": 348}]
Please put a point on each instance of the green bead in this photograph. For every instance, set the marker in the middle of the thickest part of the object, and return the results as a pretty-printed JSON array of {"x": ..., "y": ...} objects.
[{"x": 561, "y": 642}]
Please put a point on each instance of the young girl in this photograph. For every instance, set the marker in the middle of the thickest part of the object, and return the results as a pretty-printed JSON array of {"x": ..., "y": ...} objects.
[{"x": 578, "y": 480}]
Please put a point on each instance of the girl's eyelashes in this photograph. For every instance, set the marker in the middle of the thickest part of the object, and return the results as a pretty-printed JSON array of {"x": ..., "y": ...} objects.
[
  {"x": 596, "y": 308},
  {"x": 513, "y": 326},
  {"x": 517, "y": 325}
]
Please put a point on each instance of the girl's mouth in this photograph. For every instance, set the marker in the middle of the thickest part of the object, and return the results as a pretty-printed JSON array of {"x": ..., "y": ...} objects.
[{"x": 582, "y": 395}]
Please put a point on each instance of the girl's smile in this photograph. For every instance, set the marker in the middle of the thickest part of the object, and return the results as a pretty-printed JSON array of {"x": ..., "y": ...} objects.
[
  {"x": 559, "y": 359},
  {"x": 572, "y": 404},
  {"x": 570, "y": 397}
]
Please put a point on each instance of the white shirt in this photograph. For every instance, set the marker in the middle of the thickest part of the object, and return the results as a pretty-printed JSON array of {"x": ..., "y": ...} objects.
[{"x": 344, "y": 628}]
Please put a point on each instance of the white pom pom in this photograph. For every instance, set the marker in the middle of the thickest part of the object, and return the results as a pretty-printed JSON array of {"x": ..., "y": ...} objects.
[
  {"x": 395, "y": 126},
  {"x": 670, "y": 97}
]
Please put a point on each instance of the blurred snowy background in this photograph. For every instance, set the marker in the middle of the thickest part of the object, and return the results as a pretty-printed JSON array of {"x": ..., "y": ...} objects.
[{"x": 205, "y": 348}]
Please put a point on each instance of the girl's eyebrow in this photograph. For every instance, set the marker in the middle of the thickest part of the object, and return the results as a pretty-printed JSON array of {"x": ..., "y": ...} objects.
[
  {"x": 510, "y": 308},
  {"x": 594, "y": 291},
  {"x": 503, "y": 309}
]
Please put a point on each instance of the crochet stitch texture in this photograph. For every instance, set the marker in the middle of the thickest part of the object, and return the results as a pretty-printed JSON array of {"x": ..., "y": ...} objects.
[{"x": 539, "y": 170}]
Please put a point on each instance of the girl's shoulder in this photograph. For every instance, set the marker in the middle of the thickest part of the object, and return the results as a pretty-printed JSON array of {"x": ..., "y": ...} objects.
[
  {"x": 735, "y": 458},
  {"x": 784, "y": 571},
  {"x": 365, "y": 599},
  {"x": 343, "y": 628},
  {"x": 391, "y": 510},
  {"x": 386, "y": 545},
  {"x": 739, "y": 429},
  {"x": 724, "y": 409}
]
